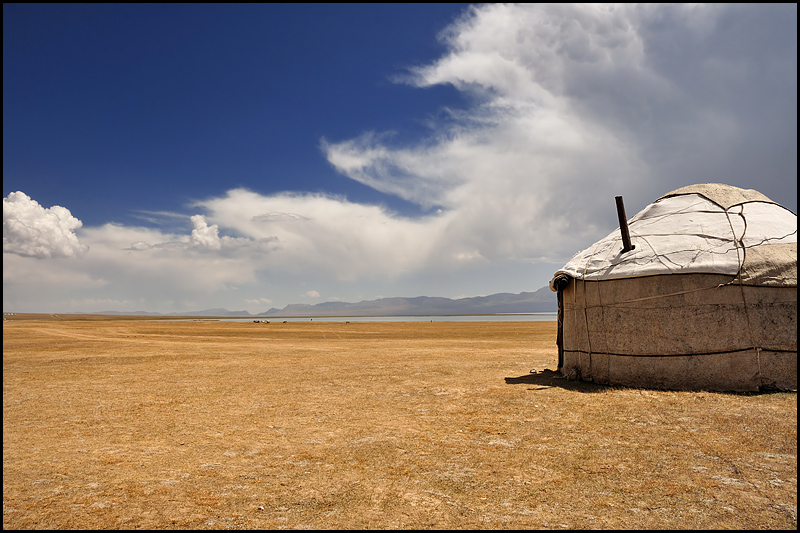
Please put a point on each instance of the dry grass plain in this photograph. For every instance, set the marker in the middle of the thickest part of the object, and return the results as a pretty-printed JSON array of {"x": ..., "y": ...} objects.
[{"x": 120, "y": 423}]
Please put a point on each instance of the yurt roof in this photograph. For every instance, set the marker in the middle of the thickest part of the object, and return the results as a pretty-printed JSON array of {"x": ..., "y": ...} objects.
[{"x": 707, "y": 228}]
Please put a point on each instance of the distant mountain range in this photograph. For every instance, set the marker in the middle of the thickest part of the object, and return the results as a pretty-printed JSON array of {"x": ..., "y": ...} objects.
[{"x": 541, "y": 301}]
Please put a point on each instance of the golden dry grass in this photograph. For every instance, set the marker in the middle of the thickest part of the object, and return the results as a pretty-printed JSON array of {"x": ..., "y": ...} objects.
[{"x": 120, "y": 423}]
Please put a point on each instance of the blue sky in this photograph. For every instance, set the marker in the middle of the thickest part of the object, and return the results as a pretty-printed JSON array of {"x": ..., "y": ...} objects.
[
  {"x": 182, "y": 157},
  {"x": 197, "y": 99}
]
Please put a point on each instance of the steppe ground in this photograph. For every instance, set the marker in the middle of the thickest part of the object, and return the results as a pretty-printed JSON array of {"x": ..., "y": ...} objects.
[{"x": 122, "y": 423}]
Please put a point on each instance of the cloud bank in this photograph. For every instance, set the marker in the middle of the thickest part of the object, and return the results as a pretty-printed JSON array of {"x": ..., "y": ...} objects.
[{"x": 574, "y": 104}]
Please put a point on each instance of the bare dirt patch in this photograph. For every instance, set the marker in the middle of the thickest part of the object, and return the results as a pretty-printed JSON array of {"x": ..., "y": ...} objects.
[{"x": 153, "y": 424}]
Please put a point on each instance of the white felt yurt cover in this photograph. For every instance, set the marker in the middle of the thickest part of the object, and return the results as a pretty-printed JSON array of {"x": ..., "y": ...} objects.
[{"x": 707, "y": 228}]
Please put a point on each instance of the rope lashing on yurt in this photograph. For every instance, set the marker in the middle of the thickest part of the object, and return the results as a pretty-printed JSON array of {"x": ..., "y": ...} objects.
[
  {"x": 741, "y": 258},
  {"x": 658, "y": 296},
  {"x": 585, "y": 303}
]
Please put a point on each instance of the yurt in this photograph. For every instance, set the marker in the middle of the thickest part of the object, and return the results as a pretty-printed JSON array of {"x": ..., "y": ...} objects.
[{"x": 696, "y": 291}]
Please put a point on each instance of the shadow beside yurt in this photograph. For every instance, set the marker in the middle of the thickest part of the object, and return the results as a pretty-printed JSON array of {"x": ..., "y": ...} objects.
[{"x": 705, "y": 298}]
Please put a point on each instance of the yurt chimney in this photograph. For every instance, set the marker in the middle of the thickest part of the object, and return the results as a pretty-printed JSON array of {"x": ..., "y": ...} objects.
[{"x": 623, "y": 226}]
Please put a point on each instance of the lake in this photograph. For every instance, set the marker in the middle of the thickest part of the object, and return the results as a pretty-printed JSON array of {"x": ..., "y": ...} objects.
[{"x": 525, "y": 317}]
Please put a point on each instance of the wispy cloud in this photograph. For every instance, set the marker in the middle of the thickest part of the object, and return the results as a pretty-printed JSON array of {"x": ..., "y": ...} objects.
[{"x": 574, "y": 104}]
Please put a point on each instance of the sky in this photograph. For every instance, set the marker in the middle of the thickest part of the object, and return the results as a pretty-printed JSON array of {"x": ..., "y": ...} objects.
[{"x": 175, "y": 158}]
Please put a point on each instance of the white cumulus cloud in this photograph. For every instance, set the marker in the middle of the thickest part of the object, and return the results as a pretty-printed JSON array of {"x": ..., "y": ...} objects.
[
  {"x": 258, "y": 301},
  {"x": 203, "y": 235},
  {"x": 31, "y": 230}
]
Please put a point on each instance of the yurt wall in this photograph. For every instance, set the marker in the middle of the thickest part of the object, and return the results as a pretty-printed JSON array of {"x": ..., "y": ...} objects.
[{"x": 693, "y": 331}]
